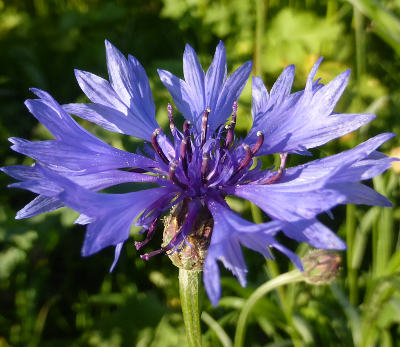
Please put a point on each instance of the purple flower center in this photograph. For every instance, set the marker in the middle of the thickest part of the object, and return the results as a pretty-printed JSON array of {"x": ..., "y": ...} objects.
[{"x": 201, "y": 165}]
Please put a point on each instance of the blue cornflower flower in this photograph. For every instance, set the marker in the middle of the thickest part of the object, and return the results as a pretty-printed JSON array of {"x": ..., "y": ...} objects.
[{"x": 196, "y": 168}]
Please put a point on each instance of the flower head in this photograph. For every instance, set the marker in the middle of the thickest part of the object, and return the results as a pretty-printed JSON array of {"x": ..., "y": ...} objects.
[
  {"x": 197, "y": 166},
  {"x": 321, "y": 266}
]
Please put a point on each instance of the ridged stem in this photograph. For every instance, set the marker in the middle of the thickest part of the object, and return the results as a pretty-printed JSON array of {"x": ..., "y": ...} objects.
[{"x": 189, "y": 293}]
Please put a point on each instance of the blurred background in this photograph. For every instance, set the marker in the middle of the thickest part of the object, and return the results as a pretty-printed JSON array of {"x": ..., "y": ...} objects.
[{"x": 50, "y": 296}]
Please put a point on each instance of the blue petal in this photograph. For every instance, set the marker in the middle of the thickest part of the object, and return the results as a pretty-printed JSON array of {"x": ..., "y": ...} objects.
[
  {"x": 113, "y": 213},
  {"x": 83, "y": 219},
  {"x": 142, "y": 94},
  {"x": 310, "y": 80},
  {"x": 315, "y": 187},
  {"x": 216, "y": 76},
  {"x": 41, "y": 204},
  {"x": 231, "y": 91},
  {"x": 357, "y": 193},
  {"x": 230, "y": 231},
  {"x": 33, "y": 179},
  {"x": 366, "y": 169},
  {"x": 291, "y": 255},
  {"x": 80, "y": 149},
  {"x": 128, "y": 94},
  {"x": 118, "y": 249},
  {"x": 294, "y": 122},
  {"x": 48, "y": 112},
  {"x": 290, "y": 203},
  {"x": 350, "y": 166},
  {"x": 73, "y": 137},
  {"x": 181, "y": 95},
  {"x": 107, "y": 117},
  {"x": 324, "y": 129},
  {"x": 314, "y": 233},
  {"x": 108, "y": 230},
  {"x": 211, "y": 278},
  {"x": 119, "y": 74},
  {"x": 76, "y": 158},
  {"x": 99, "y": 90},
  {"x": 283, "y": 85},
  {"x": 194, "y": 95},
  {"x": 194, "y": 78},
  {"x": 21, "y": 172},
  {"x": 326, "y": 98},
  {"x": 260, "y": 97},
  {"x": 36, "y": 186}
]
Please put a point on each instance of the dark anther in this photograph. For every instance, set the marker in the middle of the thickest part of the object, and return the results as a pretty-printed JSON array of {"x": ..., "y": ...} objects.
[
  {"x": 231, "y": 126},
  {"x": 229, "y": 135},
  {"x": 234, "y": 113},
  {"x": 172, "y": 175},
  {"x": 279, "y": 173},
  {"x": 183, "y": 150},
  {"x": 186, "y": 128},
  {"x": 204, "y": 126},
  {"x": 260, "y": 141},
  {"x": 157, "y": 147},
  {"x": 149, "y": 235},
  {"x": 171, "y": 120},
  {"x": 186, "y": 134},
  {"x": 204, "y": 167}
]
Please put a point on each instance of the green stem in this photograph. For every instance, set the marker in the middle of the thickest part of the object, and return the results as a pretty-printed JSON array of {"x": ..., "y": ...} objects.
[
  {"x": 260, "y": 21},
  {"x": 289, "y": 277},
  {"x": 189, "y": 293},
  {"x": 360, "y": 44},
  {"x": 351, "y": 271}
]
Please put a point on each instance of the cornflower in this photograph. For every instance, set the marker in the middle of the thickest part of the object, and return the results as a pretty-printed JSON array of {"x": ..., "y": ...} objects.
[{"x": 196, "y": 167}]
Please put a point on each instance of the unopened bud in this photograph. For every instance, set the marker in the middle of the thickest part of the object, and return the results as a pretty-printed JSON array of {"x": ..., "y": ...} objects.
[
  {"x": 191, "y": 254},
  {"x": 321, "y": 266}
]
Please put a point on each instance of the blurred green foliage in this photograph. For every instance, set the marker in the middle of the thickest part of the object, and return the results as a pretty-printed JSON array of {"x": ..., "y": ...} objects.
[{"x": 50, "y": 296}]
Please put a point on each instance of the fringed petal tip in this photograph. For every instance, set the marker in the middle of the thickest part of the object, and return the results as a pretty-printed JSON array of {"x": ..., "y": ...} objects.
[
  {"x": 108, "y": 44},
  {"x": 117, "y": 253}
]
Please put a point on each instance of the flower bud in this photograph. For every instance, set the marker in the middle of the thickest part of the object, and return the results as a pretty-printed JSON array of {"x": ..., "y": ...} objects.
[
  {"x": 191, "y": 254},
  {"x": 321, "y": 266}
]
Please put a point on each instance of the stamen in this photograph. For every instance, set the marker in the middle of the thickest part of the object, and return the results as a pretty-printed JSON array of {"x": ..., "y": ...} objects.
[
  {"x": 259, "y": 143},
  {"x": 149, "y": 235},
  {"x": 157, "y": 147},
  {"x": 279, "y": 173},
  {"x": 172, "y": 244},
  {"x": 172, "y": 175},
  {"x": 231, "y": 126},
  {"x": 171, "y": 120},
  {"x": 204, "y": 126},
  {"x": 147, "y": 256},
  {"x": 183, "y": 150},
  {"x": 186, "y": 134},
  {"x": 246, "y": 159},
  {"x": 229, "y": 135},
  {"x": 204, "y": 167}
]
